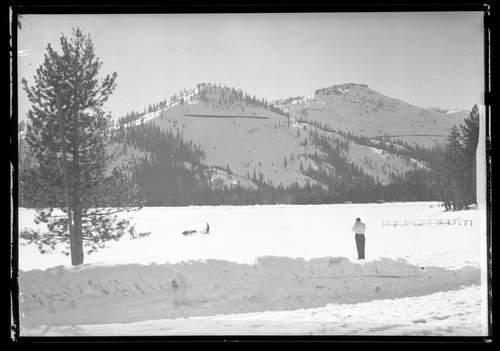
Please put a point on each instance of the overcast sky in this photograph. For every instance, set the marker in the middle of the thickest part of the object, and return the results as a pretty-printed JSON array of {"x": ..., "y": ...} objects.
[{"x": 427, "y": 59}]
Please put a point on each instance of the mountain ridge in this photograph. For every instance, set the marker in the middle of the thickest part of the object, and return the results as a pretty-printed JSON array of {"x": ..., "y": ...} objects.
[
  {"x": 343, "y": 143},
  {"x": 358, "y": 109},
  {"x": 233, "y": 141},
  {"x": 349, "y": 107}
]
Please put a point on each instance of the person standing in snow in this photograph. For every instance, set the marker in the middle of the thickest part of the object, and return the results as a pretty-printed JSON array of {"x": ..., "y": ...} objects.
[
  {"x": 359, "y": 229},
  {"x": 207, "y": 229}
]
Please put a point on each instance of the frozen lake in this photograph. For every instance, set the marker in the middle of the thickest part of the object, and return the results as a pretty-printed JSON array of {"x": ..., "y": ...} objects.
[{"x": 243, "y": 233}]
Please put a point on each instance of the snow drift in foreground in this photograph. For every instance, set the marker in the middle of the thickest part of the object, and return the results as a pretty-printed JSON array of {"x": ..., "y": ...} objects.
[
  {"x": 131, "y": 293},
  {"x": 453, "y": 312}
]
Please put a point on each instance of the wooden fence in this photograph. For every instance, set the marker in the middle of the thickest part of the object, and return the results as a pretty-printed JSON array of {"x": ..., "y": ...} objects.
[{"x": 422, "y": 222}]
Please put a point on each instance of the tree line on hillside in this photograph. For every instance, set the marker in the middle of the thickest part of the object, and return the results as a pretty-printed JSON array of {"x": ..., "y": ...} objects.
[
  {"x": 169, "y": 170},
  {"x": 226, "y": 97},
  {"x": 451, "y": 173},
  {"x": 454, "y": 165},
  {"x": 450, "y": 176},
  {"x": 396, "y": 146},
  {"x": 347, "y": 181},
  {"x": 337, "y": 89},
  {"x": 171, "y": 173}
]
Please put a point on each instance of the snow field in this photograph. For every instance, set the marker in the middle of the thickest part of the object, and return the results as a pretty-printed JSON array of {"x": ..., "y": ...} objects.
[
  {"x": 262, "y": 261},
  {"x": 244, "y": 233}
]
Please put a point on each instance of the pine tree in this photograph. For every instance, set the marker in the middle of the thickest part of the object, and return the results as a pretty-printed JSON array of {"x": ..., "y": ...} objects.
[
  {"x": 22, "y": 126},
  {"x": 470, "y": 139},
  {"x": 89, "y": 191},
  {"x": 455, "y": 166}
]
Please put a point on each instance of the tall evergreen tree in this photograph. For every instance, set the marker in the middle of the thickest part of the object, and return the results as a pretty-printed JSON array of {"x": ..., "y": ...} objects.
[
  {"x": 456, "y": 168},
  {"x": 470, "y": 139},
  {"x": 89, "y": 192}
]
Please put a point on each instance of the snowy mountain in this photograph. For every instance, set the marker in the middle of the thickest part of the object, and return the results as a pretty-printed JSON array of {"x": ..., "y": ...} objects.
[
  {"x": 362, "y": 111},
  {"x": 280, "y": 142},
  {"x": 340, "y": 143}
]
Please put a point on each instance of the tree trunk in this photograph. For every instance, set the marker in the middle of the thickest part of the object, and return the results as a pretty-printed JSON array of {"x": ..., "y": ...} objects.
[
  {"x": 78, "y": 237},
  {"x": 473, "y": 180},
  {"x": 77, "y": 206},
  {"x": 66, "y": 175},
  {"x": 464, "y": 186},
  {"x": 451, "y": 194},
  {"x": 445, "y": 190},
  {"x": 444, "y": 199}
]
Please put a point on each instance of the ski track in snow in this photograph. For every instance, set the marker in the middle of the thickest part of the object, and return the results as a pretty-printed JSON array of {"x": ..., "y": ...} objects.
[{"x": 429, "y": 286}]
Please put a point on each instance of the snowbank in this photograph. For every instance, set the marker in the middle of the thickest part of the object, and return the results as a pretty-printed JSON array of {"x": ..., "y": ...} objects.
[
  {"x": 454, "y": 312},
  {"x": 93, "y": 294}
]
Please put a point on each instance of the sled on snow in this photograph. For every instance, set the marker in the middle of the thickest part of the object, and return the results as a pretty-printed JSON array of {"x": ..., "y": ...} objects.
[
  {"x": 193, "y": 232},
  {"x": 134, "y": 235}
]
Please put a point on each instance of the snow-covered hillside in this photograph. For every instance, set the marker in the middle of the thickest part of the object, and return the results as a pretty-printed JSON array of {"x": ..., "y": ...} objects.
[
  {"x": 244, "y": 144},
  {"x": 362, "y": 111},
  {"x": 267, "y": 270},
  {"x": 248, "y": 137}
]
